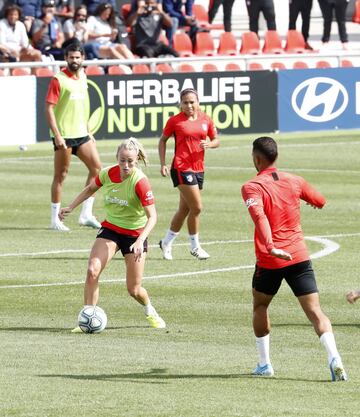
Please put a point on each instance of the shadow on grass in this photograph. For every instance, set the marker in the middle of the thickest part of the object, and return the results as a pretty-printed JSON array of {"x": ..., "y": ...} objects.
[
  {"x": 160, "y": 376},
  {"x": 64, "y": 330}
]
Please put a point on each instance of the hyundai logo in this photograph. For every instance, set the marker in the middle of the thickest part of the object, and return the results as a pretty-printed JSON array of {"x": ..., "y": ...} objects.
[{"x": 319, "y": 99}]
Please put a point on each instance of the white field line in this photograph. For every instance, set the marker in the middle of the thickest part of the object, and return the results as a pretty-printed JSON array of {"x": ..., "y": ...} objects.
[{"x": 329, "y": 247}]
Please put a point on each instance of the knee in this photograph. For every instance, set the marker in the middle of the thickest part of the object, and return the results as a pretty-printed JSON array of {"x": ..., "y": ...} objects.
[
  {"x": 61, "y": 175},
  {"x": 196, "y": 210},
  {"x": 93, "y": 271}
]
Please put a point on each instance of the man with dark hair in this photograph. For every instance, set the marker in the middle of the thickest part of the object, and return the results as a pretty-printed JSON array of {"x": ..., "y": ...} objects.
[
  {"x": 67, "y": 112},
  {"x": 273, "y": 200}
]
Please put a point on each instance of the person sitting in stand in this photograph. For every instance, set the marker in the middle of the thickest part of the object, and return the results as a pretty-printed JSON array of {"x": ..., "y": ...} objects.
[
  {"x": 30, "y": 10},
  {"x": 13, "y": 37},
  {"x": 46, "y": 32},
  {"x": 64, "y": 9},
  {"x": 103, "y": 33},
  {"x": 147, "y": 22}
]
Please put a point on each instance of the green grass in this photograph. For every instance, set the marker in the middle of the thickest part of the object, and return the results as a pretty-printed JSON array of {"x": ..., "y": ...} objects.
[{"x": 199, "y": 366}]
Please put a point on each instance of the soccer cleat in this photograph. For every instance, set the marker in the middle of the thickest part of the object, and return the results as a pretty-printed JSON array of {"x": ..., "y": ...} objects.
[
  {"x": 89, "y": 222},
  {"x": 156, "y": 321},
  {"x": 59, "y": 226},
  {"x": 266, "y": 370},
  {"x": 199, "y": 253},
  {"x": 337, "y": 370},
  {"x": 76, "y": 330},
  {"x": 166, "y": 250}
]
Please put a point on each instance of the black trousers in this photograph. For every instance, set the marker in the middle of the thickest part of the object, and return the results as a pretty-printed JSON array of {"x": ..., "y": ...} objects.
[
  {"x": 295, "y": 8},
  {"x": 227, "y": 10},
  {"x": 151, "y": 50},
  {"x": 254, "y": 7},
  {"x": 327, "y": 9}
]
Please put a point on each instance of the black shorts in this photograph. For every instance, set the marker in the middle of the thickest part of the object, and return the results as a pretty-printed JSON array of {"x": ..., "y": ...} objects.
[
  {"x": 123, "y": 241},
  {"x": 300, "y": 278},
  {"x": 187, "y": 178},
  {"x": 74, "y": 144}
]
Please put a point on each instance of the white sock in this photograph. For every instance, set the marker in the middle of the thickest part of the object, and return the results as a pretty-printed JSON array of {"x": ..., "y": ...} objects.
[
  {"x": 149, "y": 309},
  {"x": 86, "y": 208},
  {"x": 194, "y": 241},
  {"x": 263, "y": 348},
  {"x": 328, "y": 341},
  {"x": 55, "y": 209},
  {"x": 170, "y": 237}
]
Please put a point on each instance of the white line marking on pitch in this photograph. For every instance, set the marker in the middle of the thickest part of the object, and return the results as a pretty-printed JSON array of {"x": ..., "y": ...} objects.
[{"x": 329, "y": 247}]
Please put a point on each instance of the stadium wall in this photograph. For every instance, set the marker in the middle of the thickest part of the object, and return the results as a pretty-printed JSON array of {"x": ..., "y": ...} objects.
[{"x": 239, "y": 103}]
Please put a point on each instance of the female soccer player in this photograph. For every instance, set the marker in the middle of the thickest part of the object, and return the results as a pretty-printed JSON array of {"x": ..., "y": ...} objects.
[
  {"x": 130, "y": 217},
  {"x": 190, "y": 129}
]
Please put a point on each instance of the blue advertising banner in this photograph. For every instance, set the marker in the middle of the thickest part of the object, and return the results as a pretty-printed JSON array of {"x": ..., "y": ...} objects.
[{"x": 319, "y": 99}]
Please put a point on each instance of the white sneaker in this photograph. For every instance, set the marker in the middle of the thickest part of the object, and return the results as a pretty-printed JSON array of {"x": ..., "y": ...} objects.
[
  {"x": 199, "y": 253},
  {"x": 166, "y": 250},
  {"x": 90, "y": 222},
  {"x": 59, "y": 226}
]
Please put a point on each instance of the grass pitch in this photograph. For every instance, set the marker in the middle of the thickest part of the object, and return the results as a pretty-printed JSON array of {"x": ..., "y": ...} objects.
[{"x": 200, "y": 365}]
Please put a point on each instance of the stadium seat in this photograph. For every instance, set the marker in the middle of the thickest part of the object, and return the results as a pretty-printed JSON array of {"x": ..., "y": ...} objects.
[
  {"x": 44, "y": 72},
  {"x": 116, "y": 70},
  {"x": 277, "y": 66},
  {"x": 182, "y": 44},
  {"x": 323, "y": 64},
  {"x": 94, "y": 70},
  {"x": 2, "y": 73},
  {"x": 255, "y": 66},
  {"x": 232, "y": 66},
  {"x": 202, "y": 17},
  {"x": 210, "y": 67},
  {"x": 125, "y": 10},
  {"x": 186, "y": 68},
  {"x": 300, "y": 65},
  {"x": 140, "y": 69},
  {"x": 356, "y": 15},
  {"x": 20, "y": 71},
  {"x": 250, "y": 43},
  {"x": 204, "y": 44},
  {"x": 164, "y": 68},
  {"x": 346, "y": 63},
  {"x": 227, "y": 44},
  {"x": 295, "y": 43},
  {"x": 272, "y": 43}
]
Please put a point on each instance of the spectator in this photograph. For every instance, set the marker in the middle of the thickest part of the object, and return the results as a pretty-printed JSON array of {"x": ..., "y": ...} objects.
[
  {"x": 254, "y": 7},
  {"x": 92, "y": 5},
  {"x": 31, "y": 10},
  {"x": 76, "y": 29},
  {"x": 104, "y": 33},
  {"x": 46, "y": 32},
  {"x": 64, "y": 10},
  {"x": 179, "y": 19},
  {"x": 13, "y": 37},
  {"x": 148, "y": 21},
  {"x": 303, "y": 7},
  {"x": 227, "y": 10},
  {"x": 327, "y": 9}
]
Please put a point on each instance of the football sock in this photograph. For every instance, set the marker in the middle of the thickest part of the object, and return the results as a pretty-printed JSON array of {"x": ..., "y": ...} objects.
[
  {"x": 263, "y": 348},
  {"x": 328, "y": 341},
  {"x": 170, "y": 237},
  {"x": 149, "y": 309},
  {"x": 55, "y": 209},
  {"x": 194, "y": 241},
  {"x": 86, "y": 208}
]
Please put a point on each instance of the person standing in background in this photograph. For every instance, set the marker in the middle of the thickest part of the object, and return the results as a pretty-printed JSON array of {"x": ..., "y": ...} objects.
[
  {"x": 227, "y": 11},
  {"x": 190, "y": 129},
  {"x": 328, "y": 7},
  {"x": 273, "y": 200},
  {"x": 302, "y": 7},
  {"x": 254, "y": 7},
  {"x": 67, "y": 112}
]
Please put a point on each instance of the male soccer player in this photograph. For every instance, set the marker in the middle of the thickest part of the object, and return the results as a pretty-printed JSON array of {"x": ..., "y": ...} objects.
[
  {"x": 273, "y": 200},
  {"x": 67, "y": 112}
]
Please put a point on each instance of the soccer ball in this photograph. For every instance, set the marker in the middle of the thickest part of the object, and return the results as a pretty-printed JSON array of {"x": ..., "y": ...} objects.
[{"x": 92, "y": 319}]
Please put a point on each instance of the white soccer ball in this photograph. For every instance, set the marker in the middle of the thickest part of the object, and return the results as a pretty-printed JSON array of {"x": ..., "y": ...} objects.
[{"x": 92, "y": 319}]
